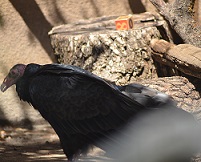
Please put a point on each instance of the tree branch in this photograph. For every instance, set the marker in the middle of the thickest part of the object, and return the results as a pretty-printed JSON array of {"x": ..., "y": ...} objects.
[{"x": 179, "y": 14}]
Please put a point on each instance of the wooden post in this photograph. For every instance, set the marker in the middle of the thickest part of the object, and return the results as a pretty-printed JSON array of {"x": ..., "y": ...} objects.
[{"x": 119, "y": 55}]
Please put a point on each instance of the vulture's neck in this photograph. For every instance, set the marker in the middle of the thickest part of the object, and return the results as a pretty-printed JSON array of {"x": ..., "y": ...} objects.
[
  {"x": 22, "y": 85},
  {"x": 22, "y": 88}
]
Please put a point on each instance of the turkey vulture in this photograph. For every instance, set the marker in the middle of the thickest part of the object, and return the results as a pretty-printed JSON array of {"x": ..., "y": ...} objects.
[{"x": 81, "y": 107}]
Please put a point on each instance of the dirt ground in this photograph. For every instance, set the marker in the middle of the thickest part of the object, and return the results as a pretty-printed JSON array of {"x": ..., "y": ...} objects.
[{"x": 39, "y": 144}]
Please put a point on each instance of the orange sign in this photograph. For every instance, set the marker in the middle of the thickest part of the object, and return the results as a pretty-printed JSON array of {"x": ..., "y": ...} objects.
[{"x": 124, "y": 22}]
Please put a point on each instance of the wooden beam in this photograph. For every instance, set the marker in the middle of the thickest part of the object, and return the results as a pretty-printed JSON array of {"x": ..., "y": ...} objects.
[{"x": 184, "y": 57}]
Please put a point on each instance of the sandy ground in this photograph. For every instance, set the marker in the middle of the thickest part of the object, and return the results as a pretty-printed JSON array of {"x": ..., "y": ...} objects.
[{"x": 39, "y": 144}]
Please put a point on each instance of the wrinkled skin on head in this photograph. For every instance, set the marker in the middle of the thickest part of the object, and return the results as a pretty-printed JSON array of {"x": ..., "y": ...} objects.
[{"x": 15, "y": 73}]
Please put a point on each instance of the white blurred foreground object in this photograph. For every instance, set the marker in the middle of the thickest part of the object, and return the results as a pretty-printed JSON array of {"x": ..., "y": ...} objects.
[{"x": 165, "y": 135}]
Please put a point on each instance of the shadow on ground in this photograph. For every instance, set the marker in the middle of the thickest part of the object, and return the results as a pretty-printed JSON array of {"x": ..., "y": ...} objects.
[{"x": 39, "y": 144}]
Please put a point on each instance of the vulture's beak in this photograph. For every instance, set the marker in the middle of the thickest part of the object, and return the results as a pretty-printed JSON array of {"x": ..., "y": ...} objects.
[
  {"x": 6, "y": 83},
  {"x": 3, "y": 87}
]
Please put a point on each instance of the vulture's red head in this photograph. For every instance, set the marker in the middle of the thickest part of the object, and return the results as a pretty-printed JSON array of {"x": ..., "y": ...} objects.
[{"x": 15, "y": 73}]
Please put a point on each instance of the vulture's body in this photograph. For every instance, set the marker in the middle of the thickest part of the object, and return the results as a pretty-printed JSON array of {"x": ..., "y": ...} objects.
[{"x": 81, "y": 107}]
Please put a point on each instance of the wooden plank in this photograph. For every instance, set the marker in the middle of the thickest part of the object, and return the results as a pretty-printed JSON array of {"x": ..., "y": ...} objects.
[{"x": 184, "y": 57}]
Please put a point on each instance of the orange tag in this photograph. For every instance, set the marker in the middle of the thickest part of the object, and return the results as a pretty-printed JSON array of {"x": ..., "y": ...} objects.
[{"x": 124, "y": 22}]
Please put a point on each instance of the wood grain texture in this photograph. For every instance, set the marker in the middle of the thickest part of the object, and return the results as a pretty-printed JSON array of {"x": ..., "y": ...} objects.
[
  {"x": 184, "y": 57},
  {"x": 180, "y": 16}
]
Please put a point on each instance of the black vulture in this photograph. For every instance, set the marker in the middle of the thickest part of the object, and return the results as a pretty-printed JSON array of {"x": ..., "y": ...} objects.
[{"x": 81, "y": 107}]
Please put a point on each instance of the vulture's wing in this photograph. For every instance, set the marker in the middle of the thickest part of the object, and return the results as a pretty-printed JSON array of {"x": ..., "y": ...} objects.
[
  {"x": 76, "y": 101},
  {"x": 148, "y": 97}
]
